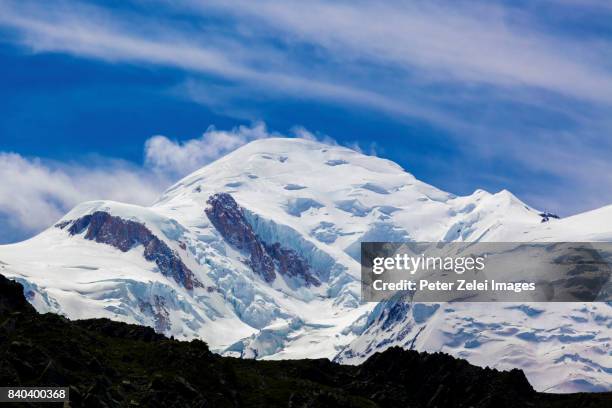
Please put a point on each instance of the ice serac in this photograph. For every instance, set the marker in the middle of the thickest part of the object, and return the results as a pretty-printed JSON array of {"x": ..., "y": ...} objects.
[
  {"x": 265, "y": 258},
  {"x": 124, "y": 235}
]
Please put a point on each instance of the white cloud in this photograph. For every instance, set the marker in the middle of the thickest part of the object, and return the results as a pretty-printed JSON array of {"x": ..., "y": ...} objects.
[
  {"x": 175, "y": 159},
  {"x": 303, "y": 133},
  {"x": 92, "y": 32},
  {"x": 180, "y": 158},
  {"x": 34, "y": 194},
  {"x": 425, "y": 43},
  {"x": 468, "y": 42}
]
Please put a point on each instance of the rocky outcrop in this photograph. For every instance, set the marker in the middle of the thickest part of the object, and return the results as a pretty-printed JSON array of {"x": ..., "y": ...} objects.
[
  {"x": 124, "y": 235},
  {"x": 290, "y": 263},
  {"x": 227, "y": 217},
  {"x": 264, "y": 258},
  {"x": 12, "y": 297},
  {"x": 546, "y": 216}
]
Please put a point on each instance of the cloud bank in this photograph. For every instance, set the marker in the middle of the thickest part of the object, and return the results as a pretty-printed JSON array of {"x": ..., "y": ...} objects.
[
  {"x": 175, "y": 159},
  {"x": 34, "y": 193}
]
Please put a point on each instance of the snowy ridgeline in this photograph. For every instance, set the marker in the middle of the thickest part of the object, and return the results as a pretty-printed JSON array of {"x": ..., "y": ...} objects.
[{"x": 258, "y": 255}]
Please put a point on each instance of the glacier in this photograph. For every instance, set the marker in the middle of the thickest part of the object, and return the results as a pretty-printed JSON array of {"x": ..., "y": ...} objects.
[{"x": 304, "y": 208}]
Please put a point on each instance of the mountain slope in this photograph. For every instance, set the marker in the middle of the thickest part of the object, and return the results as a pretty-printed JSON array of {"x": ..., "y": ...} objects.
[
  {"x": 109, "y": 364},
  {"x": 257, "y": 254}
]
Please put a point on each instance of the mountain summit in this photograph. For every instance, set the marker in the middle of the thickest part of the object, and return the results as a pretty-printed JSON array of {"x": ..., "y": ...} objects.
[{"x": 258, "y": 255}]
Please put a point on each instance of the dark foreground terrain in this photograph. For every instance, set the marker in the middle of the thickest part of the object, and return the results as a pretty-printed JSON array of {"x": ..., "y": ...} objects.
[{"x": 109, "y": 364}]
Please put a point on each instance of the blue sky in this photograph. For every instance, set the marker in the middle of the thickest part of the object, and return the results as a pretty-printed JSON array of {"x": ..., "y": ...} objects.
[{"x": 116, "y": 99}]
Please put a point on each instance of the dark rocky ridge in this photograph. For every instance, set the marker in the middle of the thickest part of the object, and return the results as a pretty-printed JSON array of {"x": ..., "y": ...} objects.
[
  {"x": 110, "y": 364},
  {"x": 264, "y": 258},
  {"x": 227, "y": 217},
  {"x": 546, "y": 216},
  {"x": 124, "y": 235},
  {"x": 289, "y": 263}
]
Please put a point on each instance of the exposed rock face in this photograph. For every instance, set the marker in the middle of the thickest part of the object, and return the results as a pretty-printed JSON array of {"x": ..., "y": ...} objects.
[
  {"x": 265, "y": 259},
  {"x": 227, "y": 217},
  {"x": 290, "y": 263},
  {"x": 546, "y": 216},
  {"x": 125, "y": 235}
]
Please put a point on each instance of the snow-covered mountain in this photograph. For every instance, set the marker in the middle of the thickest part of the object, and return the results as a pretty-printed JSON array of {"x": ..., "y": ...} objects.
[{"x": 257, "y": 254}]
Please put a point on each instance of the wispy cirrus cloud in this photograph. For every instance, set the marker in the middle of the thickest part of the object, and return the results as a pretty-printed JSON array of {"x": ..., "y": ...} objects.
[
  {"x": 424, "y": 44},
  {"x": 431, "y": 61},
  {"x": 499, "y": 80},
  {"x": 475, "y": 42},
  {"x": 93, "y": 32}
]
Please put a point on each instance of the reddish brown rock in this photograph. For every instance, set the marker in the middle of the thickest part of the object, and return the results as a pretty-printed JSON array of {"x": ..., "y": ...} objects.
[
  {"x": 228, "y": 218},
  {"x": 265, "y": 259},
  {"x": 124, "y": 235}
]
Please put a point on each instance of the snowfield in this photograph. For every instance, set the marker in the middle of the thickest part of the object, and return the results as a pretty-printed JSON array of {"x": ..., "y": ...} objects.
[{"x": 318, "y": 202}]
